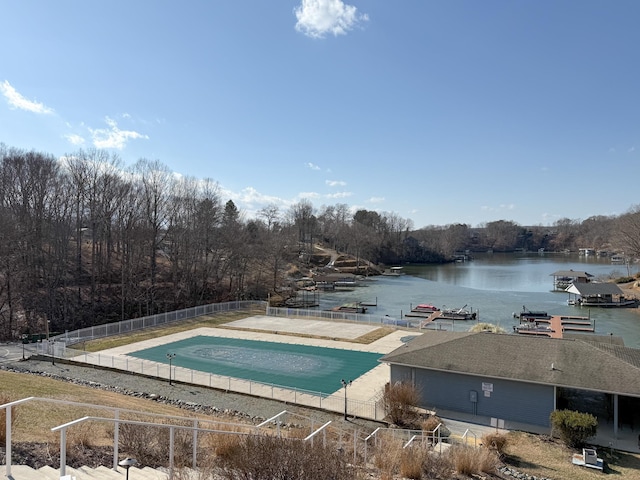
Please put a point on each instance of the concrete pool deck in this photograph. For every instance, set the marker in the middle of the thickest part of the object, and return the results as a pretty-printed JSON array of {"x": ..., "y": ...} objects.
[{"x": 363, "y": 390}]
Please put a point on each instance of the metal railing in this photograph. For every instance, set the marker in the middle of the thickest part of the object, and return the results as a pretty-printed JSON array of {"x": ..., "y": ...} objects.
[
  {"x": 331, "y": 316},
  {"x": 332, "y": 402},
  {"x": 189, "y": 424},
  {"x": 126, "y": 326}
]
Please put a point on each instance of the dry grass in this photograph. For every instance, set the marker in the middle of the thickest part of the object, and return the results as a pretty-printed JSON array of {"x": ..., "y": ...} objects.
[
  {"x": 472, "y": 461},
  {"x": 387, "y": 458},
  {"x": 531, "y": 454},
  {"x": 218, "y": 320},
  {"x": 153, "y": 332},
  {"x": 544, "y": 457},
  {"x": 35, "y": 419}
]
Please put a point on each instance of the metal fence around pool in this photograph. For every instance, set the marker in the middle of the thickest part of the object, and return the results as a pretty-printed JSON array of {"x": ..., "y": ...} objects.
[
  {"x": 334, "y": 402},
  {"x": 56, "y": 347},
  {"x": 332, "y": 316},
  {"x": 131, "y": 325}
]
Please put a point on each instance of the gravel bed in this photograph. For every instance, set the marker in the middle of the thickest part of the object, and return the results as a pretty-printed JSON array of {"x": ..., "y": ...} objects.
[{"x": 189, "y": 397}]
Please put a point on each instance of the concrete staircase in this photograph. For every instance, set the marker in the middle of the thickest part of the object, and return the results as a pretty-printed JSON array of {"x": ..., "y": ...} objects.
[{"x": 23, "y": 472}]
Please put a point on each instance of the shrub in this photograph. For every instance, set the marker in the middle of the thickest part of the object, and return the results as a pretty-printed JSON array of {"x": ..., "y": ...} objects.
[
  {"x": 400, "y": 401},
  {"x": 495, "y": 442},
  {"x": 267, "y": 458},
  {"x": 473, "y": 461},
  {"x": 140, "y": 442},
  {"x": 573, "y": 428},
  {"x": 411, "y": 462},
  {"x": 387, "y": 458},
  {"x": 430, "y": 423}
]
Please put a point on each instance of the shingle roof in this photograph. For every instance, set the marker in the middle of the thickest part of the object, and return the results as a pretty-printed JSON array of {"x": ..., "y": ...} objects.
[
  {"x": 586, "y": 289},
  {"x": 572, "y": 274},
  {"x": 576, "y": 363}
]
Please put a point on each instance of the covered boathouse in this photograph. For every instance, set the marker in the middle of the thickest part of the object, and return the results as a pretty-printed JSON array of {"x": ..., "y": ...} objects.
[
  {"x": 604, "y": 295},
  {"x": 565, "y": 278},
  {"x": 516, "y": 381}
]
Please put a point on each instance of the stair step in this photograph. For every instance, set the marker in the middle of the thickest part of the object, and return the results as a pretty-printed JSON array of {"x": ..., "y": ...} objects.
[{"x": 24, "y": 472}]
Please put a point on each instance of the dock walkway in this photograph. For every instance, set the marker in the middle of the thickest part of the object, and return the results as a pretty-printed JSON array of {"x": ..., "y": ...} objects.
[
  {"x": 434, "y": 316},
  {"x": 558, "y": 324}
]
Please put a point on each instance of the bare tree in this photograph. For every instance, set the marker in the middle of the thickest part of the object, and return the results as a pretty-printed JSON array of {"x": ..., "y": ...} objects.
[
  {"x": 628, "y": 231},
  {"x": 155, "y": 196}
]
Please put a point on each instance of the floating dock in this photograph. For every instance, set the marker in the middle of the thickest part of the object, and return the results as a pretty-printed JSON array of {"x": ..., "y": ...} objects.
[
  {"x": 433, "y": 316},
  {"x": 558, "y": 324}
]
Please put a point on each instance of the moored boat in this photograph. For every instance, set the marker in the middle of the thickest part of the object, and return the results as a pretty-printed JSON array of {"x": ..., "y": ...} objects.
[
  {"x": 457, "y": 314},
  {"x": 393, "y": 272},
  {"x": 527, "y": 315},
  {"x": 425, "y": 307}
]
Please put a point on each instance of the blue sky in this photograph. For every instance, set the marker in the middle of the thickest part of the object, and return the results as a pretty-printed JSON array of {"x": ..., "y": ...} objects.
[{"x": 438, "y": 111}]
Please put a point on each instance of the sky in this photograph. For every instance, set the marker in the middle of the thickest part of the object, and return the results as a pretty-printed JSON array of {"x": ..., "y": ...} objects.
[{"x": 440, "y": 112}]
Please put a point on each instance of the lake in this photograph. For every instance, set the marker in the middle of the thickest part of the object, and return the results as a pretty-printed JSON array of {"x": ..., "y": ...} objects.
[{"x": 496, "y": 286}]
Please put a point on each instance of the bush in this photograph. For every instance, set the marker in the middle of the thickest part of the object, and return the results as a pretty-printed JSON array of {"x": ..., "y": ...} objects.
[
  {"x": 573, "y": 428},
  {"x": 473, "y": 461},
  {"x": 268, "y": 458},
  {"x": 400, "y": 403},
  {"x": 388, "y": 457},
  {"x": 412, "y": 462},
  {"x": 495, "y": 442}
]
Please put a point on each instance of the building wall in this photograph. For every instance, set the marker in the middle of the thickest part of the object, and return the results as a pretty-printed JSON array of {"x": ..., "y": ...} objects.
[{"x": 507, "y": 400}]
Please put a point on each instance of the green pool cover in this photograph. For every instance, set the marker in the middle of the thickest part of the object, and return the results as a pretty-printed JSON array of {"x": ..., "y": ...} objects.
[{"x": 317, "y": 369}]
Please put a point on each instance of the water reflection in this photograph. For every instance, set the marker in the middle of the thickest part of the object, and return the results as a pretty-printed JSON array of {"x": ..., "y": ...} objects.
[{"x": 497, "y": 286}]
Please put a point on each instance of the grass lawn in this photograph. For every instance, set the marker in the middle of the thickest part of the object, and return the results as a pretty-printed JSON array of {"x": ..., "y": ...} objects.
[{"x": 545, "y": 457}]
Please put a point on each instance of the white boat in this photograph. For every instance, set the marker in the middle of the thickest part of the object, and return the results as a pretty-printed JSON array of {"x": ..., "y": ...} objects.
[
  {"x": 393, "y": 272},
  {"x": 457, "y": 314}
]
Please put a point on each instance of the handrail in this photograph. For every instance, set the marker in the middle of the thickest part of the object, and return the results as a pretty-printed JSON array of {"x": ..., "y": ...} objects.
[
  {"x": 313, "y": 434},
  {"x": 195, "y": 429},
  {"x": 116, "y": 411},
  {"x": 409, "y": 442}
]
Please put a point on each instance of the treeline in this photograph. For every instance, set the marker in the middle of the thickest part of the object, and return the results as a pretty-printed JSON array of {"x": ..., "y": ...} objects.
[{"x": 85, "y": 241}]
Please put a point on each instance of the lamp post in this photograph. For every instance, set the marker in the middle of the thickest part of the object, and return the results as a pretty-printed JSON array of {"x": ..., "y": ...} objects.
[
  {"x": 126, "y": 464},
  {"x": 170, "y": 356},
  {"x": 345, "y": 384}
]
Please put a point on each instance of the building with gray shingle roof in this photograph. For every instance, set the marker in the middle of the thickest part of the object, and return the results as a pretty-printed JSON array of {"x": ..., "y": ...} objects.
[
  {"x": 515, "y": 378},
  {"x": 604, "y": 294}
]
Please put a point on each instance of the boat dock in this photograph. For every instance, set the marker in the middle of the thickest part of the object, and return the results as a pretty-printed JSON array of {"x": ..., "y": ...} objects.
[
  {"x": 432, "y": 316},
  {"x": 558, "y": 324}
]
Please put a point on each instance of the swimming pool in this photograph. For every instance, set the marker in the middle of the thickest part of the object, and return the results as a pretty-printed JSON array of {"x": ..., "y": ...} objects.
[{"x": 317, "y": 369}]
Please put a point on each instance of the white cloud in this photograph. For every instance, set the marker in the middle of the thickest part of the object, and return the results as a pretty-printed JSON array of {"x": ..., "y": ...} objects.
[
  {"x": 113, "y": 137},
  {"x": 16, "y": 100},
  {"x": 336, "y": 183},
  {"x": 376, "y": 199},
  {"x": 74, "y": 139},
  {"x": 316, "y": 18},
  {"x": 309, "y": 195},
  {"x": 339, "y": 195},
  {"x": 313, "y": 166}
]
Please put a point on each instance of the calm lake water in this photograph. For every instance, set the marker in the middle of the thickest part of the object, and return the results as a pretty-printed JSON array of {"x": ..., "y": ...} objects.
[{"x": 496, "y": 286}]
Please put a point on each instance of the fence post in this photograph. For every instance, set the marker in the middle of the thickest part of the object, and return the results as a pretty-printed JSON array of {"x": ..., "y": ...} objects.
[
  {"x": 63, "y": 452},
  {"x": 116, "y": 439}
]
